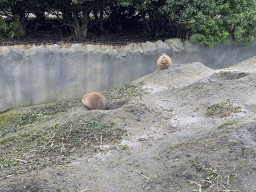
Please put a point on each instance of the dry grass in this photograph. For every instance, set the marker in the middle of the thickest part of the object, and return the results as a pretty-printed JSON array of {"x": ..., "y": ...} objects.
[{"x": 67, "y": 45}]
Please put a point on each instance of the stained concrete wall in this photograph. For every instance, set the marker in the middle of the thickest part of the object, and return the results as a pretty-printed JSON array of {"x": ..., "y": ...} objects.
[{"x": 46, "y": 74}]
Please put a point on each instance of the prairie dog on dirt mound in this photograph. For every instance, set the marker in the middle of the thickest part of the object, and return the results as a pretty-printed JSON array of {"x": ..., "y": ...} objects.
[
  {"x": 94, "y": 101},
  {"x": 164, "y": 61}
]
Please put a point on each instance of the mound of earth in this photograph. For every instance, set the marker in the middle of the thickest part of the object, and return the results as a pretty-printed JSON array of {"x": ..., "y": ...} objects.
[{"x": 187, "y": 128}]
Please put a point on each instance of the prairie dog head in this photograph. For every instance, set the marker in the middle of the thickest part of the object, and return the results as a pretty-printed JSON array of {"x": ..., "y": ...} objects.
[{"x": 164, "y": 55}]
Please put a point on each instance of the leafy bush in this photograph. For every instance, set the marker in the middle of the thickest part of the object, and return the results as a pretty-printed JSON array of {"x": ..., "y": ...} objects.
[
  {"x": 12, "y": 29},
  {"x": 213, "y": 21},
  {"x": 235, "y": 17}
]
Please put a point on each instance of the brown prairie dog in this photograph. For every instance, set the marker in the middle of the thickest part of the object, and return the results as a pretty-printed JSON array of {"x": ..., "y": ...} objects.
[
  {"x": 94, "y": 101},
  {"x": 164, "y": 61}
]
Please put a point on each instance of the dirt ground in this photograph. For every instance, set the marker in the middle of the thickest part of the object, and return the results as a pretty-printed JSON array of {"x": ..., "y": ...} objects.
[{"x": 187, "y": 128}]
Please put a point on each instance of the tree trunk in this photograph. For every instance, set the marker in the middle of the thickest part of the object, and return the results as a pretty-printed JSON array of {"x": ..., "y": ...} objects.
[
  {"x": 85, "y": 22},
  {"x": 67, "y": 17},
  {"x": 81, "y": 24},
  {"x": 76, "y": 24},
  {"x": 101, "y": 20},
  {"x": 95, "y": 13},
  {"x": 156, "y": 24},
  {"x": 117, "y": 21},
  {"x": 18, "y": 9}
]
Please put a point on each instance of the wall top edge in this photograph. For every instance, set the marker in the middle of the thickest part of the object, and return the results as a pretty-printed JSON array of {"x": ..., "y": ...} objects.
[{"x": 175, "y": 45}]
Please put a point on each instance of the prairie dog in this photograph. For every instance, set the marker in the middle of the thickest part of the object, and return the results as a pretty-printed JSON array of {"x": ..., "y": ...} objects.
[
  {"x": 164, "y": 61},
  {"x": 94, "y": 101}
]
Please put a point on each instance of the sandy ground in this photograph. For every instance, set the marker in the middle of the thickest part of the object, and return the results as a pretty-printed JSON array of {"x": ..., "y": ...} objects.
[{"x": 171, "y": 143}]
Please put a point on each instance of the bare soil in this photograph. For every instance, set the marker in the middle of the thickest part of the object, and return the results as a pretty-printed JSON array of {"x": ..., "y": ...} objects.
[{"x": 187, "y": 128}]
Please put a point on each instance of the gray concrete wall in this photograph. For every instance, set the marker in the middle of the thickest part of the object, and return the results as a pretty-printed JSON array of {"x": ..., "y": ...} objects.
[{"x": 46, "y": 74}]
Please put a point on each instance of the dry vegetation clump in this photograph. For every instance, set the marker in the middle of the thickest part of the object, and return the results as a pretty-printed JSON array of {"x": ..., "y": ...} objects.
[
  {"x": 222, "y": 109},
  {"x": 126, "y": 91}
]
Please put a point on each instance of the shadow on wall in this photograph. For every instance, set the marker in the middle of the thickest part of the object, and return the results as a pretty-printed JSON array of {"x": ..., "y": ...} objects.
[{"x": 47, "y": 74}]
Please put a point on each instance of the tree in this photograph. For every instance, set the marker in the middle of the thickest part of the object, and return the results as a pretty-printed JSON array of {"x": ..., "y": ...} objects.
[
  {"x": 213, "y": 21},
  {"x": 16, "y": 16},
  {"x": 12, "y": 28},
  {"x": 81, "y": 9},
  {"x": 154, "y": 19},
  {"x": 17, "y": 12},
  {"x": 76, "y": 14}
]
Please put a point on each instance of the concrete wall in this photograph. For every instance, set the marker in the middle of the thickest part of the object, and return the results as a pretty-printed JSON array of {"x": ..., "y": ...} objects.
[{"x": 46, "y": 74}]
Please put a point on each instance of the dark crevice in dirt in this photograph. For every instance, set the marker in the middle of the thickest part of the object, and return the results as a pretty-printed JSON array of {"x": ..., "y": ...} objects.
[
  {"x": 227, "y": 75},
  {"x": 223, "y": 76},
  {"x": 115, "y": 103},
  {"x": 230, "y": 75}
]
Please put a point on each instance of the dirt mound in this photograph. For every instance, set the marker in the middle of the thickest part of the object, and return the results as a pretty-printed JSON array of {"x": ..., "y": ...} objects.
[{"x": 187, "y": 128}]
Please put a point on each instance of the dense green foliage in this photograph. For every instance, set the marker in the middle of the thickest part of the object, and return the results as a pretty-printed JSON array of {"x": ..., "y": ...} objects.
[
  {"x": 211, "y": 21},
  {"x": 222, "y": 18},
  {"x": 13, "y": 28}
]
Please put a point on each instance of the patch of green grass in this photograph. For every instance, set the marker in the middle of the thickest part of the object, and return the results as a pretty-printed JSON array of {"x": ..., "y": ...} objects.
[
  {"x": 211, "y": 175},
  {"x": 7, "y": 161},
  {"x": 124, "y": 92},
  {"x": 7, "y": 139},
  {"x": 11, "y": 122},
  {"x": 7, "y": 118},
  {"x": 54, "y": 145},
  {"x": 222, "y": 109},
  {"x": 174, "y": 146},
  {"x": 124, "y": 147},
  {"x": 8, "y": 122},
  {"x": 27, "y": 118},
  {"x": 228, "y": 122},
  {"x": 53, "y": 108}
]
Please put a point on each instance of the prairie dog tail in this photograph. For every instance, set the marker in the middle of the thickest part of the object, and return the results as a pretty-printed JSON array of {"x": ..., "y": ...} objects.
[{"x": 94, "y": 101}]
